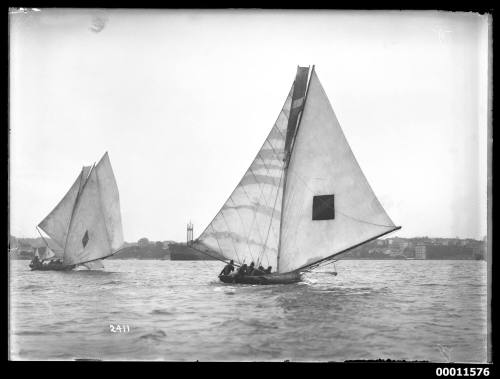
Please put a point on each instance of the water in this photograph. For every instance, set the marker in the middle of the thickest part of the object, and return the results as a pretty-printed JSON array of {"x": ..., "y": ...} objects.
[{"x": 178, "y": 310}]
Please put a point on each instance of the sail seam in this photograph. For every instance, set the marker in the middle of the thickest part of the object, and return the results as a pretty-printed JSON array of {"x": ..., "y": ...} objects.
[
  {"x": 253, "y": 219},
  {"x": 270, "y": 223},
  {"x": 281, "y": 168},
  {"x": 217, "y": 240},
  {"x": 363, "y": 221},
  {"x": 263, "y": 197},
  {"x": 242, "y": 223},
  {"x": 229, "y": 230}
]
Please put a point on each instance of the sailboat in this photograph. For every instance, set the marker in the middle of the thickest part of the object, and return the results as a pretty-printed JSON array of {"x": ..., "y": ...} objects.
[
  {"x": 86, "y": 225},
  {"x": 304, "y": 199},
  {"x": 44, "y": 253}
]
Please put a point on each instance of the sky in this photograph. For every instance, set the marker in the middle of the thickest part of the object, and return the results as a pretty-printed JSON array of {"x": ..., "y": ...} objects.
[{"x": 182, "y": 100}]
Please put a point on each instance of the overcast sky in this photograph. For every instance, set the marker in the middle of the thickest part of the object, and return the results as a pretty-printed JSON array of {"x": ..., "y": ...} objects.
[{"x": 183, "y": 100}]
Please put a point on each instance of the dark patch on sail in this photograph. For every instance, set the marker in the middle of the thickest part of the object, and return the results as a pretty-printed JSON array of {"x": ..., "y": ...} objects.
[
  {"x": 85, "y": 238},
  {"x": 323, "y": 207}
]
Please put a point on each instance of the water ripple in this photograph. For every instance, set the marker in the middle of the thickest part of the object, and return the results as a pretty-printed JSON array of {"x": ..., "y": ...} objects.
[{"x": 178, "y": 310}]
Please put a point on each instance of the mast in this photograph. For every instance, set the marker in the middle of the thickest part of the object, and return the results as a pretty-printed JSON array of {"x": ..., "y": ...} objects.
[
  {"x": 101, "y": 210},
  {"x": 290, "y": 139}
]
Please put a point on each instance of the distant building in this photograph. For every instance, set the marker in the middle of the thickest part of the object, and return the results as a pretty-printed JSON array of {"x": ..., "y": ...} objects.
[
  {"x": 421, "y": 251},
  {"x": 409, "y": 252}
]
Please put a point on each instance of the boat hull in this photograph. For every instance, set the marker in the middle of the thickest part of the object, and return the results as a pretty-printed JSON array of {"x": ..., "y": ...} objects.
[
  {"x": 286, "y": 278},
  {"x": 51, "y": 268}
]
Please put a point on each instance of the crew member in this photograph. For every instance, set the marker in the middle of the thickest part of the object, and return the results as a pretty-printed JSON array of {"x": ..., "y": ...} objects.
[{"x": 229, "y": 268}]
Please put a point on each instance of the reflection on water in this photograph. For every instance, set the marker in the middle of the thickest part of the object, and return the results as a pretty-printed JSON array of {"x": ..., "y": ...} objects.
[{"x": 178, "y": 310}]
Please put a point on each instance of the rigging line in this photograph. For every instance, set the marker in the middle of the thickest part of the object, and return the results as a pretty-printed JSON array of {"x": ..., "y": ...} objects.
[
  {"x": 253, "y": 220},
  {"x": 229, "y": 230},
  {"x": 101, "y": 258},
  {"x": 330, "y": 257},
  {"x": 212, "y": 256},
  {"x": 242, "y": 223},
  {"x": 271, "y": 221},
  {"x": 265, "y": 200},
  {"x": 277, "y": 155},
  {"x": 217, "y": 240},
  {"x": 363, "y": 221},
  {"x": 324, "y": 202},
  {"x": 282, "y": 170},
  {"x": 46, "y": 243},
  {"x": 250, "y": 202}
]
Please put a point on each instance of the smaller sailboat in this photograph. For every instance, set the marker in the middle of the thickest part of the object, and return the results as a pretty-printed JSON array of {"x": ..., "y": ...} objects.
[
  {"x": 302, "y": 202},
  {"x": 44, "y": 253},
  {"x": 86, "y": 225}
]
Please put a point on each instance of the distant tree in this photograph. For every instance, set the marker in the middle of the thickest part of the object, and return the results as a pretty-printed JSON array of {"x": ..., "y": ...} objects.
[{"x": 143, "y": 242}]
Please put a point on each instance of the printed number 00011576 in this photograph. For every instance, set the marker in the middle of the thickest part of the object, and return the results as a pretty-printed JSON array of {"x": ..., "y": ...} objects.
[{"x": 462, "y": 371}]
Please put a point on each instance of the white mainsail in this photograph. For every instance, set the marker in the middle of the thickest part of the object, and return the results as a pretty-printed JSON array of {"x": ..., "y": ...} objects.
[
  {"x": 322, "y": 163},
  {"x": 110, "y": 201},
  {"x": 87, "y": 235},
  {"x": 87, "y": 221},
  {"x": 304, "y": 198},
  {"x": 44, "y": 253}
]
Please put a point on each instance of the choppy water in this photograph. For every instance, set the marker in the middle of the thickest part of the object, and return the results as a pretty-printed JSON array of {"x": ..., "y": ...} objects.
[{"x": 178, "y": 310}]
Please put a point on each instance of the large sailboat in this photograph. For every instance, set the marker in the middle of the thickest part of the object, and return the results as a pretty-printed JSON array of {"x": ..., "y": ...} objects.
[
  {"x": 86, "y": 225},
  {"x": 304, "y": 199}
]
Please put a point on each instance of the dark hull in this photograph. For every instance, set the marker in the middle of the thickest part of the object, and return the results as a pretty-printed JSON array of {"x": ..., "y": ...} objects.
[
  {"x": 51, "y": 268},
  {"x": 287, "y": 278}
]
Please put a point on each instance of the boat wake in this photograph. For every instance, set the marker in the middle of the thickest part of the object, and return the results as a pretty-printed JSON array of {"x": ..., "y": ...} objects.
[{"x": 155, "y": 336}]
